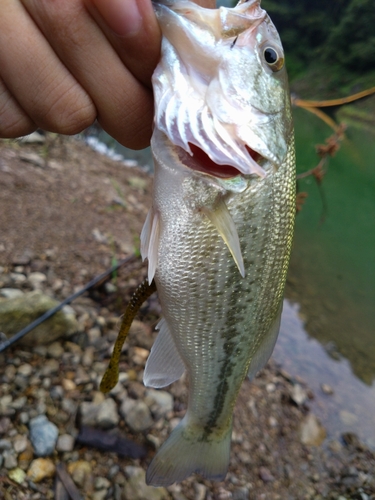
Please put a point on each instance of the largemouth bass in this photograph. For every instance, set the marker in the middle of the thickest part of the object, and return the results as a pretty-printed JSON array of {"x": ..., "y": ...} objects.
[{"x": 219, "y": 232}]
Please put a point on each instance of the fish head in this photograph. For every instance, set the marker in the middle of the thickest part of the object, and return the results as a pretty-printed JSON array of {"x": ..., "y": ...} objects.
[{"x": 221, "y": 87}]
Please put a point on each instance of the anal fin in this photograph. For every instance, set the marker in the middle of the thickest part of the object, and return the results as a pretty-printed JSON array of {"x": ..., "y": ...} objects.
[
  {"x": 164, "y": 365},
  {"x": 266, "y": 347}
]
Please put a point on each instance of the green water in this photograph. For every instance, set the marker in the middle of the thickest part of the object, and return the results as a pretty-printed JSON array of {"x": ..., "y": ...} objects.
[{"x": 332, "y": 272}]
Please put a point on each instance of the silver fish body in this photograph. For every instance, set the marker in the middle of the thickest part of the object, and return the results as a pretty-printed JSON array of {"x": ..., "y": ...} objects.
[{"x": 218, "y": 241}]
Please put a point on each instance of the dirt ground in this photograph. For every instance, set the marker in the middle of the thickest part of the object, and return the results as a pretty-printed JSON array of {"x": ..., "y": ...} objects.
[{"x": 70, "y": 213}]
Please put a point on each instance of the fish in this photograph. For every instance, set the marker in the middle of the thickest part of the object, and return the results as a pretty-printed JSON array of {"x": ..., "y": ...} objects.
[{"x": 218, "y": 235}]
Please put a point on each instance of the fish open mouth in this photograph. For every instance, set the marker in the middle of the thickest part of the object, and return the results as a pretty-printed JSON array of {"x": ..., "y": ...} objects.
[{"x": 201, "y": 162}]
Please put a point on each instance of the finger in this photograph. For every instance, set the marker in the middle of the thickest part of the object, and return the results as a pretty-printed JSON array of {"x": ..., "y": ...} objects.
[
  {"x": 124, "y": 106},
  {"x": 37, "y": 79},
  {"x": 14, "y": 122},
  {"x": 132, "y": 29}
]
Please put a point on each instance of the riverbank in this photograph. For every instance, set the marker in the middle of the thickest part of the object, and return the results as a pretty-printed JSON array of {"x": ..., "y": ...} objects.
[{"x": 66, "y": 214}]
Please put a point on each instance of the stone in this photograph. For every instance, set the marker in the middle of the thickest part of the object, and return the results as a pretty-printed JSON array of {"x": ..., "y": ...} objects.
[
  {"x": 5, "y": 444},
  {"x": 65, "y": 442},
  {"x": 55, "y": 350},
  {"x": 11, "y": 293},
  {"x": 298, "y": 395},
  {"x": 41, "y": 468},
  {"x": 17, "y": 475},
  {"x": 25, "y": 370},
  {"x": 200, "y": 491},
  {"x": 80, "y": 471},
  {"x": 312, "y": 433},
  {"x": 102, "y": 482},
  {"x": 136, "y": 488},
  {"x": 242, "y": 493},
  {"x": 136, "y": 414},
  {"x": 10, "y": 460},
  {"x": 43, "y": 435},
  {"x": 19, "y": 312},
  {"x": 265, "y": 475},
  {"x": 36, "y": 280},
  {"x": 107, "y": 416},
  {"x": 160, "y": 402},
  {"x": 20, "y": 443}
]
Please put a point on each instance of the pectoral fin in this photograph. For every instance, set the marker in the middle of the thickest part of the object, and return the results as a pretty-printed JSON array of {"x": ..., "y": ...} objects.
[
  {"x": 150, "y": 242},
  {"x": 164, "y": 364},
  {"x": 222, "y": 220}
]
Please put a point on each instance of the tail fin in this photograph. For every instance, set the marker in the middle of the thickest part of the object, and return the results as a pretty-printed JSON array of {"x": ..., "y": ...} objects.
[{"x": 185, "y": 452}]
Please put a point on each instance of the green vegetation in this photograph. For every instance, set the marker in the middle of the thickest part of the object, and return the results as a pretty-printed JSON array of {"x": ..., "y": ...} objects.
[{"x": 329, "y": 45}]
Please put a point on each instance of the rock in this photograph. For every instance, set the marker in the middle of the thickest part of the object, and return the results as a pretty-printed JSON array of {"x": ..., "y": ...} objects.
[
  {"x": 32, "y": 158},
  {"x": 17, "y": 475},
  {"x": 36, "y": 280},
  {"x": 107, "y": 416},
  {"x": 20, "y": 443},
  {"x": 241, "y": 493},
  {"x": 25, "y": 370},
  {"x": 102, "y": 482},
  {"x": 136, "y": 414},
  {"x": 10, "y": 460},
  {"x": 298, "y": 395},
  {"x": 33, "y": 138},
  {"x": 43, "y": 435},
  {"x": 65, "y": 442},
  {"x": 327, "y": 389},
  {"x": 11, "y": 293},
  {"x": 55, "y": 350},
  {"x": 5, "y": 444},
  {"x": 80, "y": 471},
  {"x": 136, "y": 488},
  {"x": 265, "y": 475},
  {"x": 160, "y": 402},
  {"x": 40, "y": 469},
  {"x": 312, "y": 433},
  {"x": 17, "y": 313},
  {"x": 200, "y": 491}
]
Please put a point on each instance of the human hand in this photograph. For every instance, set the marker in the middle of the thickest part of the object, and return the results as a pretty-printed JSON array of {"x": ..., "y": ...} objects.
[{"x": 65, "y": 64}]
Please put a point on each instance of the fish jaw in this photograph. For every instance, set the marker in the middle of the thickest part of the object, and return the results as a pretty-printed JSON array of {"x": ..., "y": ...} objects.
[{"x": 214, "y": 90}]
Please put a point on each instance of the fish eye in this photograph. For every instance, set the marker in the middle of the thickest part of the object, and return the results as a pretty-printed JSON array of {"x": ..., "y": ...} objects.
[{"x": 274, "y": 60}]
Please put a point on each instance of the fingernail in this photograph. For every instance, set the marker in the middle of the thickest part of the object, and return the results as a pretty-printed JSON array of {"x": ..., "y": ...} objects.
[{"x": 122, "y": 16}]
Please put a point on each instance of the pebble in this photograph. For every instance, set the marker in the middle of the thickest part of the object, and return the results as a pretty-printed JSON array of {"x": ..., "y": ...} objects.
[
  {"x": 55, "y": 350},
  {"x": 36, "y": 280},
  {"x": 242, "y": 493},
  {"x": 11, "y": 293},
  {"x": 10, "y": 460},
  {"x": 65, "y": 442},
  {"x": 17, "y": 475},
  {"x": 312, "y": 433},
  {"x": 107, "y": 416},
  {"x": 20, "y": 443},
  {"x": 200, "y": 491},
  {"x": 43, "y": 435},
  {"x": 160, "y": 402},
  {"x": 25, "y": 370},
  {"x": 102, "y": 482},
  {"x": 298, "y": 395},
  {"x": 265, "y": 475},
  {"x": 327, "y": 389},
  {"x": 136, "y": 488},
  {"x": 80, "y": 471},
  {"x": 136, "y": 414},
  {"x": 41, "y": 468},
  {"x": 5, "y": 444}
]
